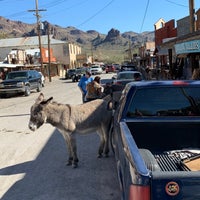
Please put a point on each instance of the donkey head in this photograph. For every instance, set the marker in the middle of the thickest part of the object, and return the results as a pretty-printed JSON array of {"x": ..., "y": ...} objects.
[{"x": 37, "y": 114}]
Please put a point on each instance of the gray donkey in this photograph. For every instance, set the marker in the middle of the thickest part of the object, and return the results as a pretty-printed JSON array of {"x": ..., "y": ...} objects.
[{"x": 94, "y": 116}]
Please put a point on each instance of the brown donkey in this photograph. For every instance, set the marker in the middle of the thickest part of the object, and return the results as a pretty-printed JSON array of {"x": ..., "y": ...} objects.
[{"x": 94, "y": 116}]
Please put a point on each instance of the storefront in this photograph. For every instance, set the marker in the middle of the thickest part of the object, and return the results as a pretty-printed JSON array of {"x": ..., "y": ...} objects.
[{"x": 189, "y": 52}]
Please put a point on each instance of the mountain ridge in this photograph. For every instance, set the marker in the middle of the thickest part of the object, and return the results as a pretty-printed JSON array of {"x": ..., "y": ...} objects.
[{"x": 110, "y": 47}]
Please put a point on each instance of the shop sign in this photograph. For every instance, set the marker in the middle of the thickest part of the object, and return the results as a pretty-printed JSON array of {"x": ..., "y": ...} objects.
[{"x": 188, "y": 47}]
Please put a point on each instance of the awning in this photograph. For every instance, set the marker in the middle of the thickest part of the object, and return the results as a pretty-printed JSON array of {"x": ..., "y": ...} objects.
[{"x": 4, "y": 65}]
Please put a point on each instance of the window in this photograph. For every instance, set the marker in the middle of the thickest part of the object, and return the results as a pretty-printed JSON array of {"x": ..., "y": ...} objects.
[{"x": 172, "y": 101}]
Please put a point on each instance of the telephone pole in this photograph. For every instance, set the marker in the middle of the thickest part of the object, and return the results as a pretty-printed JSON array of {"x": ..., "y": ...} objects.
[
  {"x": 49, "y": 54},
  {"x": 192, "y": 18},
  {"x": 38, "y": 28}
]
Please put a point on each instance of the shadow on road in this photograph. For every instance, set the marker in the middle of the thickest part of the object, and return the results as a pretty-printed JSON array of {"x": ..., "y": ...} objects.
[{"x": 47, "y": 177}]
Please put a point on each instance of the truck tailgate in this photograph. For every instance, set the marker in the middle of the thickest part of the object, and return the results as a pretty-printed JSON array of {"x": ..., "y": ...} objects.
[{"x": 175, "y": 185}]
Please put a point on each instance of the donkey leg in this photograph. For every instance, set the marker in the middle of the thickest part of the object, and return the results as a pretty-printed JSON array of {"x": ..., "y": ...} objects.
[
  {"x": 102, "y": 143},
  {"x": 74, "y": 150},
  {"x": 106, "y": 139},
  {"x": 69, "y": 147},
  {"x": 70, "y": 159}
]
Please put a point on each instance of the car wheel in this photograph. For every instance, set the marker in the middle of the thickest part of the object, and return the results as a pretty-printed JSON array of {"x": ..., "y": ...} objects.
[
  {"x": 27, "y": 91},
  {"x": 39, "y": 88}
]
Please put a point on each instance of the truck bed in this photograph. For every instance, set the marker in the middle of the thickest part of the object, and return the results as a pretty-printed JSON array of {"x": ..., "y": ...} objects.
[
  {"x": 177, "y": 160},
  {"x": 168, "y": 145}
]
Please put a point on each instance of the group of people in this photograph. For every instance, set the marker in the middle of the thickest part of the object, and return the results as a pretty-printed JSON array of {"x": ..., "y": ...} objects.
[{"x": 90, "y": 87}]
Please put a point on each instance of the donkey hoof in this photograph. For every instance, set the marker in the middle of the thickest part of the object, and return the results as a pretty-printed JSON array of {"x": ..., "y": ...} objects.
[
  {"x": 75, "y": 165},
  {"x": 69, "y": 163},
  {"x": 99, "y": 156}
]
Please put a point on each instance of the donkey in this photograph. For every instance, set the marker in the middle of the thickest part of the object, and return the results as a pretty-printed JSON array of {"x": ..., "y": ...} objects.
[{"x": 90, "y": 117}]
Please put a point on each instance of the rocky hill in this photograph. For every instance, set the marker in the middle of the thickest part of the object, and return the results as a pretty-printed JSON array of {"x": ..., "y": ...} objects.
[{"x": 110, "y": 48}]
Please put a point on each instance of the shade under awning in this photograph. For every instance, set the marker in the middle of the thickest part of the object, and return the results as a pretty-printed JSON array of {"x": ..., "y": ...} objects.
[
  {"x": 184, "y": 55},
  {"x": 162, "y": 52}
]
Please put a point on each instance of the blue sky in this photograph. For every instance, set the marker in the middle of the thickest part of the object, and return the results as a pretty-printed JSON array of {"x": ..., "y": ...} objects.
[{"x": 99, "y": 15}]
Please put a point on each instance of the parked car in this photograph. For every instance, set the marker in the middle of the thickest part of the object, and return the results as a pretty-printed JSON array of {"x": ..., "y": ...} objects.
[
  {"x": 124, "y": 77},
  {"x": 69, "y": 73},
  {"x": 128, "y": 67},
  {"x": 96, "y": 69},
  {"x": 110, "y": 68},
  {"x": 78, "y": 73},
  {"x": 21, "y": 82},
  {"x": 117, "y": 67}
]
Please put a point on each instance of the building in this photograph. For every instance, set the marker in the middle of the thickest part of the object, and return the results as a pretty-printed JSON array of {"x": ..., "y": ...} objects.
[
  {"x": 164, "y": 31},
  {"x": 146, "y": 55},
  {"x": 181, "y": 51},
  {"x": 56, "y": 55}
]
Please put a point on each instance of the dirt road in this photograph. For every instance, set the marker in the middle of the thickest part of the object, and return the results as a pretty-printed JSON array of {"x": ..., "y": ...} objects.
[{"x": 32, "y": 164}]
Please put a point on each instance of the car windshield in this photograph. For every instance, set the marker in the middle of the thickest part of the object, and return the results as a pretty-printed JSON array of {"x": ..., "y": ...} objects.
[
  {"x": 132, "y": 76},
  {"x": 128, "y": 68},
  {"x": 71, "y": 70},
  {"x": 17, "y": 75},
  {"x": 178, "y": 101}
]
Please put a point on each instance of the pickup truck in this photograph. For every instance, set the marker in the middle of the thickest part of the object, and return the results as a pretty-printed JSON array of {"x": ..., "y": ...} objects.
[{"x": 156, "y": 140}]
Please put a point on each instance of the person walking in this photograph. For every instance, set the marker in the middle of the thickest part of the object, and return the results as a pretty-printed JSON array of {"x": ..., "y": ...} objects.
[
  {"x": 94, "y": 89},
  {"x": 84, "y": 80}
]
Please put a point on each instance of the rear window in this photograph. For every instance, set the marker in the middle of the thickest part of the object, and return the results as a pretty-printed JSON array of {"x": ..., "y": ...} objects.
[
  {"x": 17, "y": 75},
  {"x": 94, "y": 67},
  {"x": 172, "y": 101},
  {"x": 128, "y": 68},
  {"x": 129, "y": 76},
  {"x": 71, "y": 70}
]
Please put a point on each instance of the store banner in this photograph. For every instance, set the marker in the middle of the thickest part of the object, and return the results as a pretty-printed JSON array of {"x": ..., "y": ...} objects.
[{"x": 188, "y": 47}]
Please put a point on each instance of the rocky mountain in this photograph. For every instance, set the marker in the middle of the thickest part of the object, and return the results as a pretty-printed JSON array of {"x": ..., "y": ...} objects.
[{"x": 111, "y": 47}]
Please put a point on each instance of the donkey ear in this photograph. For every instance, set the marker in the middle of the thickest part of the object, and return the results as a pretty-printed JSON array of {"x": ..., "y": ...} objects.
[
  {"x": 40, "y": 98},
  {"x": 49, "y": 100},
  {"x": 46, "y": 101}
]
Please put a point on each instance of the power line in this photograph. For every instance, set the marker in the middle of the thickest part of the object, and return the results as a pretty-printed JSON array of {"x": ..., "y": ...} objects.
[
  {"x": 67, "y": 8},
  {"x": 54, "y": 3},
  {"x": 48, "y": 5},
  {"x": 178, "y": 4},
  {"x": 145, "y": 13},
  {"x": 87, "y": 20}
]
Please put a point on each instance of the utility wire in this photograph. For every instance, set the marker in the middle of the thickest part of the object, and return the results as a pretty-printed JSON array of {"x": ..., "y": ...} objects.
[
  {"x": 87, "y": 20},
  {"x": 48, "y": 5},
  {"x": 22, "y": 13},
  {"x": 178, "y": 4},
  {"x": 53, "y": 3},
  {"x": 145, "y": 13},
  {"x": 64, "y": 8}
]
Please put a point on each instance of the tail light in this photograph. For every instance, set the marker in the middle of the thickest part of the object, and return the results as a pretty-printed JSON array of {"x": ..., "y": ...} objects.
[
  {"x": 139, "y": 192},
  {"x": 118, "y": 83}
]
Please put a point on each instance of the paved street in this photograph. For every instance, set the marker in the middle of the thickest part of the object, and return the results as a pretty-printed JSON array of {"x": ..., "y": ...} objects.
[{"x": 32, "y": 164}]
